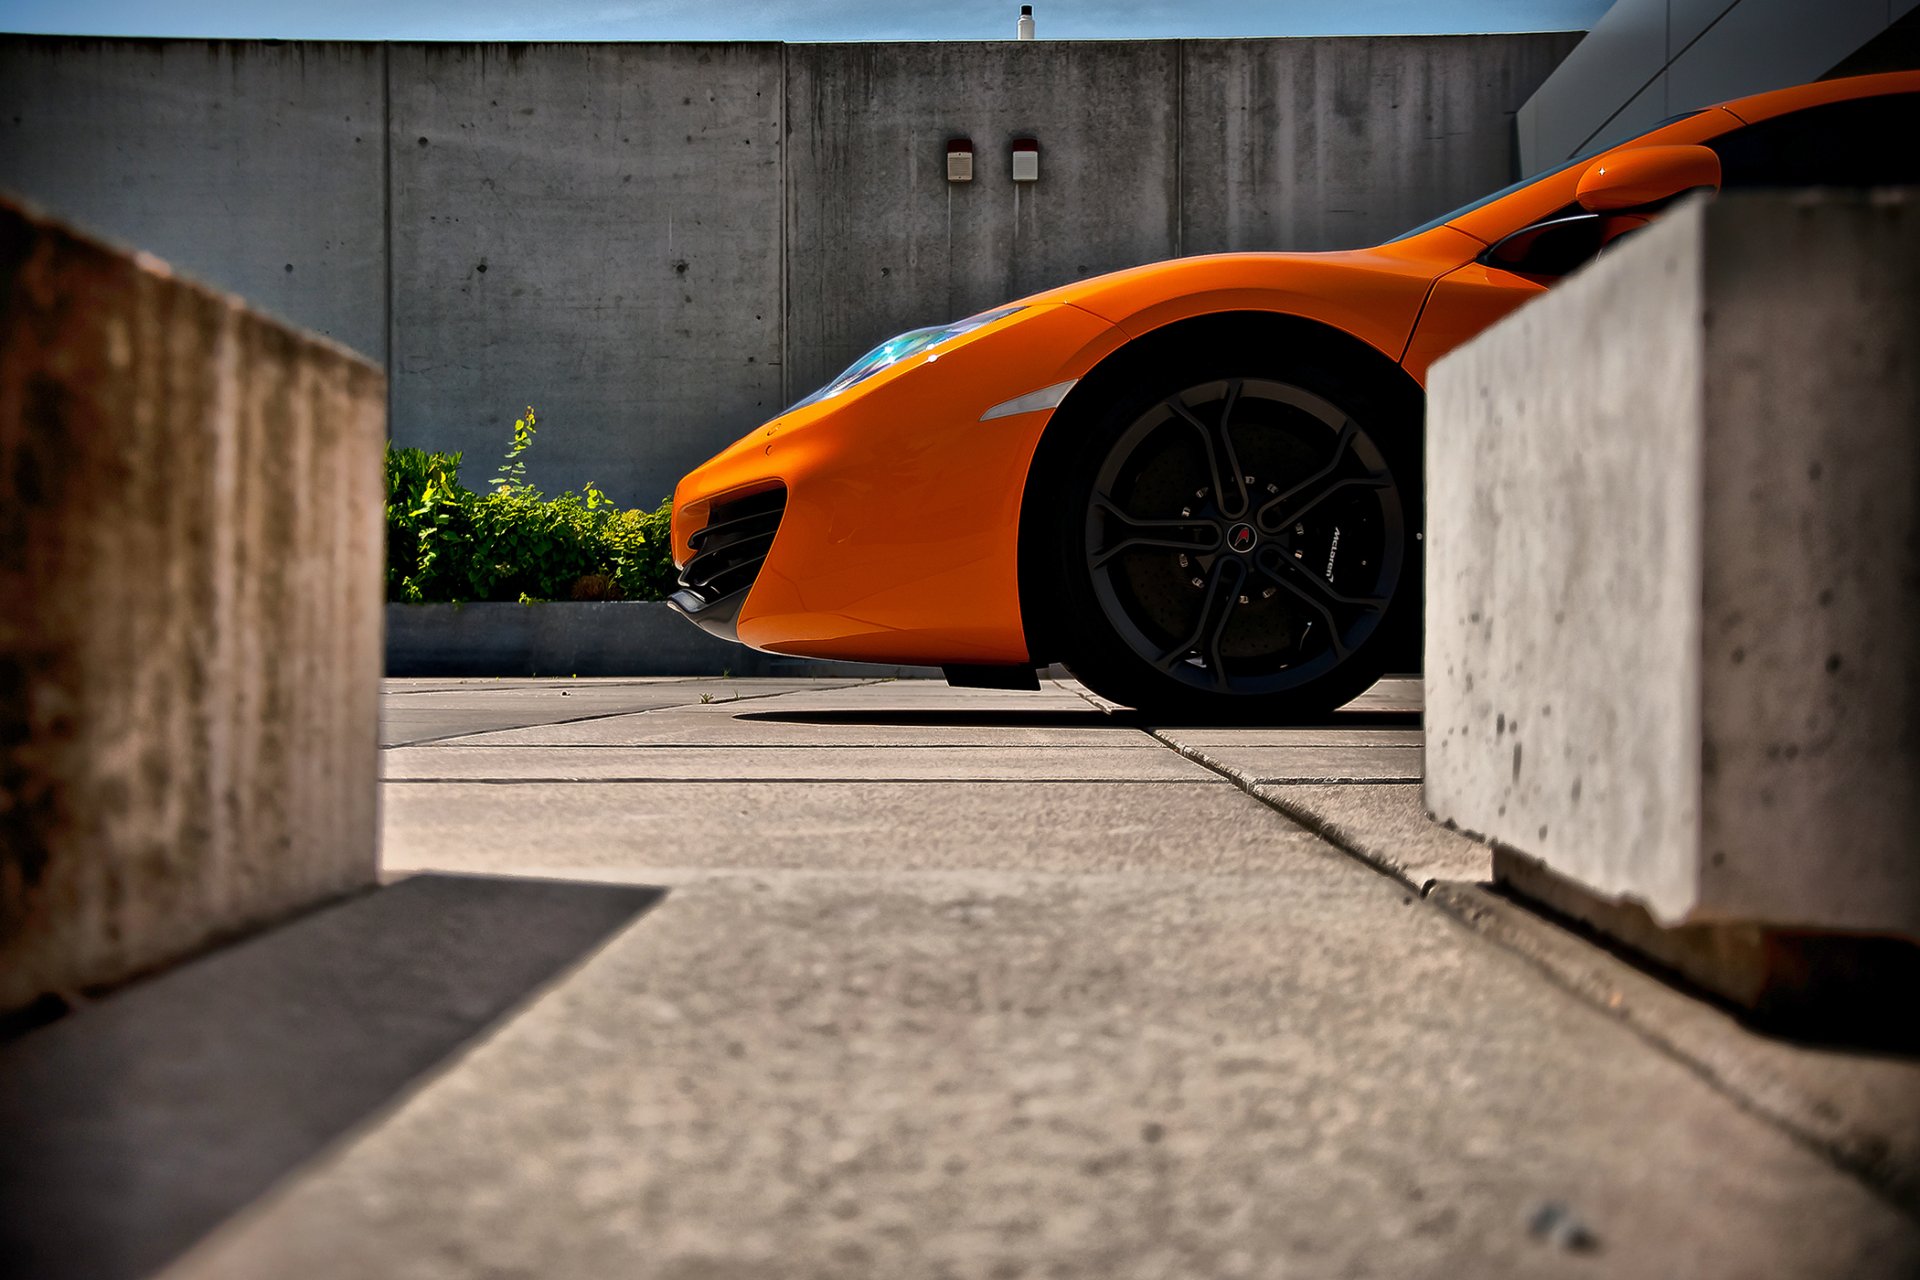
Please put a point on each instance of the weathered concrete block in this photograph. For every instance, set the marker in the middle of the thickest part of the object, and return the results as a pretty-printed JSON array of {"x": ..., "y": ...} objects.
[
  {"x": 190, "y": 506},
  {"x": 1673, "y": 618}
]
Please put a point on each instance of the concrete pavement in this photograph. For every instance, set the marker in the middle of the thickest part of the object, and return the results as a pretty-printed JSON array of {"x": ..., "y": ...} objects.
[
  {"x": 136, "y": 1125},
  {"x": 965, "y": 983}
]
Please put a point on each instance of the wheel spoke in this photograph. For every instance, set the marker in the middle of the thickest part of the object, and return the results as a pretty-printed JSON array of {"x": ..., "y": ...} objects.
[
  {"x": 1171, "y": 498},
  {"x": 1223, "y": 592},
  {"x": 1316, "y": 593},
  {"x": 1338, "y": 486},
  {"x": 1200, "y": 536},
  {"x": 1318, "y": 487},
  {"x": 1223, "y": 465}
]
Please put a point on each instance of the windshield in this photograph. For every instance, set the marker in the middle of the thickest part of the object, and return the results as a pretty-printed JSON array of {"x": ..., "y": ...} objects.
[
  {"x": 1585, "y": 154},
  {"x": 896, "y": 349}
]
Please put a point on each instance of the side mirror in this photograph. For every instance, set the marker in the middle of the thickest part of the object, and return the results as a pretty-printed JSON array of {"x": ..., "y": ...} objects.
[{"x": 1646, "y": 176}]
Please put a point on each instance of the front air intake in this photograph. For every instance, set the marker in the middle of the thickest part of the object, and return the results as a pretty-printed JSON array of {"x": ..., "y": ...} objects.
[{"x": 727, "y": 555}]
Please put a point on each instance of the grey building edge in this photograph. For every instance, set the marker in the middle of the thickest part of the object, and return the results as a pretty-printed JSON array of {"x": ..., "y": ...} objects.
[{"x": 1646, "y": 60}]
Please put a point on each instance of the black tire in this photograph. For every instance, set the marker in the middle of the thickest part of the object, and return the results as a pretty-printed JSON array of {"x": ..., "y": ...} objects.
[{"x": 1173, "y": 587}]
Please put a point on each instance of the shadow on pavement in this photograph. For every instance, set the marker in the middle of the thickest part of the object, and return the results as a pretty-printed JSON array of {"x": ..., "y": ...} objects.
[
  {"x": 1345, "y": 718},
  {"x": 961, "y": 718},
  {"x": 946, "y": 718},
  {"x": 136, "y": 1125},
  {"x": 1831, "y": 994}
]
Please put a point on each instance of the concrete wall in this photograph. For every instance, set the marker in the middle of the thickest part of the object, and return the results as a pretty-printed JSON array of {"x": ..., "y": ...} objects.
[
  {"x": 880, "y": 241},
  {"x": 1673, "y": 615},
  {"x": 659, "y": 246},
  {"x": 257, "y": 167},
  {"x": 1646, "y": 60},
  {"x": 190, "y": 502},
  {"x": 593, "y": 229},
  {"x": 1328, "y": 144},
  {"x": 1149, "y": 150}
]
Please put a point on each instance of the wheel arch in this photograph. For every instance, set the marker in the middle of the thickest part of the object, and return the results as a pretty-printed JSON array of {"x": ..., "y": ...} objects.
[{"x": 1307, "y": 339}]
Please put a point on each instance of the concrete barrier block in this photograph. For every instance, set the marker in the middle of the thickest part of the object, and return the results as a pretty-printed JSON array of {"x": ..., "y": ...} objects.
[
  {"x": 191, "y": 506},
  {"x": 1673, "y": 616}
]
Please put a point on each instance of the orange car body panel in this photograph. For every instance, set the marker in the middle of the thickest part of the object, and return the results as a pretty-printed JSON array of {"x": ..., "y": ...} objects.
[
  {"x": 1555, "y": 190},
  {"x": 1641, "y": 176},
  {"x": 1371, "y": 294},
  {"x": 901, "y": 533},
  {"x": 1778, "y": 102},
  {"x": 1464, "y": 301},
  {"x": 900, "y": 539}
]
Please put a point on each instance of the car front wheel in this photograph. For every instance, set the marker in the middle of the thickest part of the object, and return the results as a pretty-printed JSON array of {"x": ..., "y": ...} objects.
[{"x": 1237, "y": 542}]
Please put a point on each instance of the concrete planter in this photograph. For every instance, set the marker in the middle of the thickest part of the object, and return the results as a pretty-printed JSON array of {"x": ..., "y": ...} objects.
[
  {"x": 190, "y": 499},
  {"x": 1673, "y": 631},
  {"x": 623, "y": 638}
]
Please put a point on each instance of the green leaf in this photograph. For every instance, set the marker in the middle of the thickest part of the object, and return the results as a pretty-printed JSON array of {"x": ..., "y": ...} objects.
[{"x": 445, "y": 542}]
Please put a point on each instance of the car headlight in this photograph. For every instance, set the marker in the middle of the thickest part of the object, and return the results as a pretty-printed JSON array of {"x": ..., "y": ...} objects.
[{"x": 896, "y": 349}]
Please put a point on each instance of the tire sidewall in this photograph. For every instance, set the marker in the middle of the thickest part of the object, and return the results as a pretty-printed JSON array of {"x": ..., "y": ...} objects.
[{"x": 1087, "y": 642}]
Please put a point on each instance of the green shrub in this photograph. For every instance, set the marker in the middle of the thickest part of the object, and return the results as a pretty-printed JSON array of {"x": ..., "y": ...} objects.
[
  {"x": 429, "y": 522},
  {"x": 640, "y": 552},
  {"x": 446, "y": 542}
]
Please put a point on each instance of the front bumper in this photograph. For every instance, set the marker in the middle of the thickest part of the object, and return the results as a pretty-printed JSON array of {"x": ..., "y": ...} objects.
[
  {"x": 728, "y": 553},
  {"x": 899, "y": 538}
]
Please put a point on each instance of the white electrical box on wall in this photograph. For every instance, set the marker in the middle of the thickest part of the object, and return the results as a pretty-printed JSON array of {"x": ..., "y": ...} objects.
[
  {"x": 959, "y": 160},
  {"x": 1026, "y": 160}
]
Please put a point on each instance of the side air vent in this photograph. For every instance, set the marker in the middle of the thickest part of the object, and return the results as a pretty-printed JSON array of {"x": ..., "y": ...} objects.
[{"x": 727, "y": 555}]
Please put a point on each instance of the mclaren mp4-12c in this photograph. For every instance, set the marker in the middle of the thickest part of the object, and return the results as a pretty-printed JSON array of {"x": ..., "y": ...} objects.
[{"x": 1196, "y": 484}]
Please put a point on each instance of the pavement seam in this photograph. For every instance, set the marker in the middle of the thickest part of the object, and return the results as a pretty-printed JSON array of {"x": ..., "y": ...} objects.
[
  {"x": 807, "y": 746},
  {"x": 1335, "y": 782},
  {"x": 1296, "y": 814},
  {"x": 606, "y": 715},
  {"x": 748, "y": 779},
  {"x": 1499, "y": 923},
  {"x": 457, "y": 686}
]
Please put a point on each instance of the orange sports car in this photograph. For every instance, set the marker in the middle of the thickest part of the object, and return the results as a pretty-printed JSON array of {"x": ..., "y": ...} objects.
[{"x": 1197, "y": 484}]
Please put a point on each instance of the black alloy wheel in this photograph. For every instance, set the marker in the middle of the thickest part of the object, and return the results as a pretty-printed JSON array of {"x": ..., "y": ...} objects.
[{"x": 1239, "y": 547}]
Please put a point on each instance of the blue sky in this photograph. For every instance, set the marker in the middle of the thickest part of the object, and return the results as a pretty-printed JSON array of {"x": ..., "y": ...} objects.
[{"x": 785, "y": 19}]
